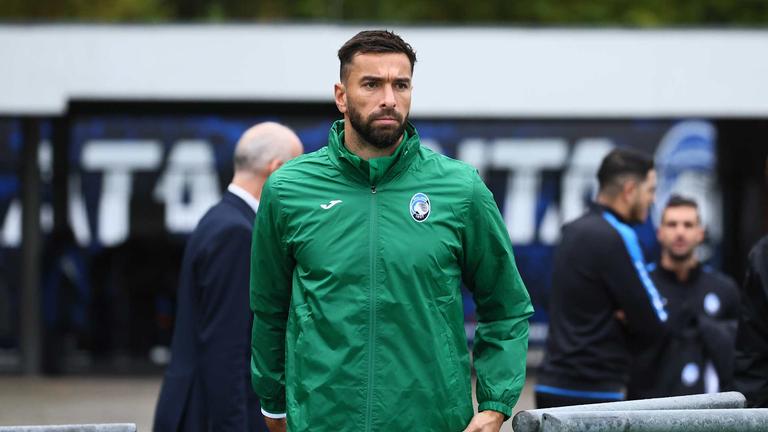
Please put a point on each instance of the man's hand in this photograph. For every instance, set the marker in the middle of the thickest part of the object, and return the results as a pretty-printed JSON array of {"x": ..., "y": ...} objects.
[
  {"x": 275, "y": 425},
  {"x": 486, "y": 421}
]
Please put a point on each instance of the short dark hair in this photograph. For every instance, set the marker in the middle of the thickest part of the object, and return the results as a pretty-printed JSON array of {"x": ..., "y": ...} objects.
[
  {"x": 619, "y": 164},
  {"x": 681, "y": 201},
  {"x": 373, "y": 41}
]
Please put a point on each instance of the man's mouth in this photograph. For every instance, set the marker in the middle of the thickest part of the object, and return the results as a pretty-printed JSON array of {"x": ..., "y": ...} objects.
[{"x": 386, "y": 120}]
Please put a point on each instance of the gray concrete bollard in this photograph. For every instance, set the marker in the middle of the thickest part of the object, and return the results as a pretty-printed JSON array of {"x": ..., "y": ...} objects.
[
  {"x": 704, "y": 420},
  {"x": 530, "y": 421},
  {"x": 106, "y": 427}
]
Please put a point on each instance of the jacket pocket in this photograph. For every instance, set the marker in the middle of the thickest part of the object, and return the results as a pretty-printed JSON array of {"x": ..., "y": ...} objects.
[
  {"x": 458, "y": 376},
  {"x": 300, "y": 348},
  {"x": 297, "y": 395}
]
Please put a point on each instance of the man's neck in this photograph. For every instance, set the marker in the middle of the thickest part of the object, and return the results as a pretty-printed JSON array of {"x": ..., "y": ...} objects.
[
  {"x": 363, "y": 149},
  {"x": 681, "y": 268},
  {"x": 614, "y": 204},
  {"x": 251, "y": 183}
]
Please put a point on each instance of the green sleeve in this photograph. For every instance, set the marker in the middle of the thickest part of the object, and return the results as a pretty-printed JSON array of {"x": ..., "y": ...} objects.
[
  {"x": 503, "y": 304},
  {"x": 270, "y": 296}
]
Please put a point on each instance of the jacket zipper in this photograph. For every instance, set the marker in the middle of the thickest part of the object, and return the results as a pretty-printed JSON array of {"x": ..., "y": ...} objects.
[{"x": 372, "y": 316}]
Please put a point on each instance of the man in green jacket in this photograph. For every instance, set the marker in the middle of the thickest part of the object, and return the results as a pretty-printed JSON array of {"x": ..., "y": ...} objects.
[{"x": 359, "y": 251}]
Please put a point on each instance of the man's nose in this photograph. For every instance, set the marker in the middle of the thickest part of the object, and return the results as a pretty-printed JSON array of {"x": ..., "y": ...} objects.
[{"x": 388, "y": 98}]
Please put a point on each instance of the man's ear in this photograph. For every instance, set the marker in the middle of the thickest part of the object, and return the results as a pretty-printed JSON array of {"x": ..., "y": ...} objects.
[
  {"x": 701, "y": 234},
  {"x": 273, "y": 165},
  {"x": 340, "y": 96},
  {"x": 629, "y": 189}
]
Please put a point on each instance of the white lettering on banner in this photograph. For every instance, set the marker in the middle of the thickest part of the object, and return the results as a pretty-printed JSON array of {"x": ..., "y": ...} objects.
[
  {"x": 11, "y": 234},
  {"x": 191, "y": 168},
  {"x": 45, "y": 164},
  {"x": 549, "y": 230},
  {"x": 78, "y": 215},
  {"x": 525, "y": 159},
  {"x": 190, "y": 184},
  {"x": 473, "y": 152},
  {"x": 118, "y": 159}
]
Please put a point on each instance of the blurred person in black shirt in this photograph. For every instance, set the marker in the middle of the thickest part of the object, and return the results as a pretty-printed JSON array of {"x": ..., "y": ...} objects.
[
  {"x": 703, "y": 304},
  {"x": 602, "y": 296},
  {"x": 752, "y": 340}
]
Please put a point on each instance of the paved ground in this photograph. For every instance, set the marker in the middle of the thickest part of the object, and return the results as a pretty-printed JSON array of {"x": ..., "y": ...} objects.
[{"x": 39, "y": 401}]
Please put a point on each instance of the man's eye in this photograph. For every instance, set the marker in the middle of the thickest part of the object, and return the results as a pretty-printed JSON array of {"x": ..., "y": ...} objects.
[
  {"x": 370, "y": 85},
  {"x": 402, "y": 86}
]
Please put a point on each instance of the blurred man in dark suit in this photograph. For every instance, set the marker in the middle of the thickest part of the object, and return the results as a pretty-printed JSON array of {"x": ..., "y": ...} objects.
[{"x": 207, "y": 384}]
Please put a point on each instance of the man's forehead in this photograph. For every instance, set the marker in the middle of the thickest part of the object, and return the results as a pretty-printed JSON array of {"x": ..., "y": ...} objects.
[
  {"x": 376, "y": 61},
  {"x": 681, "y": 213}
]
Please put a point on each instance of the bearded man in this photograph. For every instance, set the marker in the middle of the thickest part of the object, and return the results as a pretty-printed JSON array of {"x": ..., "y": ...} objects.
[
  {"x": 697, "y": 356},
  {"x": 602, "y": 300},
  {"x": 359, "y": 252}
]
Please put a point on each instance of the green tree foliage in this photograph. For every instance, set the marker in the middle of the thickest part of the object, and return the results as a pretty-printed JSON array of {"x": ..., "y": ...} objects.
[
  {"x": 85, "y": 10},
  {"x": 627, "y": 13}
]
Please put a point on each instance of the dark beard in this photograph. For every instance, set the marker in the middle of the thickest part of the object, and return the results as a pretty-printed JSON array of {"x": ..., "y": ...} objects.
[
  {"x": 380, "y": 138},
  {"x": 636, "y": 214},
  {"x": 680, "y": 257}
]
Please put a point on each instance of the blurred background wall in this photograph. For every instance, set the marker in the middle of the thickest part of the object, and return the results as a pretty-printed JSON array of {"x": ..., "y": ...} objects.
[{"x": 117, "y": 129}]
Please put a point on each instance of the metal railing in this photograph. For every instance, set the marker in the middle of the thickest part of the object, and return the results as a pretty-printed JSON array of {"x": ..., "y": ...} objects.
[
  {"x": 706, "y": 420},
  {"x": 719, "y": 412}
]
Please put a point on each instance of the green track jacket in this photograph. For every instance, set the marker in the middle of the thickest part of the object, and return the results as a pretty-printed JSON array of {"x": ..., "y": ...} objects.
[{"x": 355, "y": 290}]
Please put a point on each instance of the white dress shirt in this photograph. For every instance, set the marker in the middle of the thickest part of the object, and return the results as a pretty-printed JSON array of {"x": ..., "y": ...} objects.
[{"x": 245, "y": 196}]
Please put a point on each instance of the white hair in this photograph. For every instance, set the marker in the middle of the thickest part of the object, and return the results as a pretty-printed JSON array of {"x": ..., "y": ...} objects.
[{"x": 263, "y": 143}]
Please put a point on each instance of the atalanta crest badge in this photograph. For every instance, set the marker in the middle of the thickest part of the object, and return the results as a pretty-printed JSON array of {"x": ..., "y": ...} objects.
[{"x": 420, "y": 207}]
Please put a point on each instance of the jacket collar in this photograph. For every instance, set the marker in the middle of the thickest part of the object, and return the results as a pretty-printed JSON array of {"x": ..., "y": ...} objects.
[
  {"x": 377, "y": 170},
  {"x": 595, "y": 207},
  {"x": 245, "y": 209},
  {"x": 693, "y": 274},
  {"x": 244, "y": 195}
]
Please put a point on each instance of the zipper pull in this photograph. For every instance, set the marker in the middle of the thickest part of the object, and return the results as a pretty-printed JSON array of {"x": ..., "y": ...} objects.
[{"x": 373, "y": 189}]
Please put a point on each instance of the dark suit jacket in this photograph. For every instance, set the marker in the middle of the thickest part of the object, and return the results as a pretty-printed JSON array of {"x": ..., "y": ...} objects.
[{"x": 207, "y": 384}]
